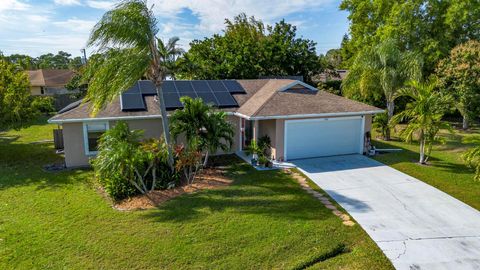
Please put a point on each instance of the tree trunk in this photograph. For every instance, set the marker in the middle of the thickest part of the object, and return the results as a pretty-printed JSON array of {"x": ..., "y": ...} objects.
[
  {"x": 465, "y": 124},
  {"x": 422, "y": 148},
  {"x": 166, "y": 128},
  {"x": 390, "y": 110},
  {"x": 205, "y": 162}
]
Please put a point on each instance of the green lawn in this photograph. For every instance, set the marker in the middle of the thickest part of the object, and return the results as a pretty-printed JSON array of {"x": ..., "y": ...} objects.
[
  {"x": 264, "y": 220},
  {"x": 446, "y": 169}
]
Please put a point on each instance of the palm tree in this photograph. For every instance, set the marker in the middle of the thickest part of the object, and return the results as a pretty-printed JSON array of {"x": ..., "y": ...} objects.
[
  {"x": 423, "y": 115},
  {"x": 126, "y": 35},
  {"x": 380, "y": 72},
  {"x": 169, "y": 53},
  {"x": 198, "y": 121}
]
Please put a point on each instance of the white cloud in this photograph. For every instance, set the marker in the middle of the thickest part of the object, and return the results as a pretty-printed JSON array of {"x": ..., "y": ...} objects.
[
  {"x": 12, "y": 5},
  {"x": 76, "y": 25},
  {"x": 106, "y": 5},
  {"x": 35, "y": 18},
  {"x": 212, "y": 13},
  {"x": 67, "y": 2}
]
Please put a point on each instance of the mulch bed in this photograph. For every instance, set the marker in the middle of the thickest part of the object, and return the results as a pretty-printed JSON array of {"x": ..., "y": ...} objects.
[{"x": 210, "y": 178}]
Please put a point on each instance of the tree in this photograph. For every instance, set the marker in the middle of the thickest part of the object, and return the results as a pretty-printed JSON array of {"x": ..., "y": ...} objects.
[
  {"x": 249, "y": 49},
  {"x": 423, "y": 116},
  {"x": 380, "y": 72},
  {"x": 460, "y": 74},
  {"x": 15, "y": 101},
  {"x": 169, "y": 53},
  {"x": 126, "y": 36},
  {"x": 199, "y": 122},
  {"x": 429, "y": 26}
]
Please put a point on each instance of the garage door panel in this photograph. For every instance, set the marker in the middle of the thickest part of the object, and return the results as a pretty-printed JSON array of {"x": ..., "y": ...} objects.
[{"x": 320, "y": 137}]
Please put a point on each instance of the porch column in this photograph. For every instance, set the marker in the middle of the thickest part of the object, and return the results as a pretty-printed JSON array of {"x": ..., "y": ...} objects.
[{"x": 255, "y": 130}]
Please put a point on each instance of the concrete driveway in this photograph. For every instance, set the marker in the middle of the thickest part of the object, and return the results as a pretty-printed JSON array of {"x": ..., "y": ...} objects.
[{"x": 417, "y": 226}]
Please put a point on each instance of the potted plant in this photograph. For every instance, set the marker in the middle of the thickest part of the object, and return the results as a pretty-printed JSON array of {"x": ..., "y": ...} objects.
[
  {"x": 263, "y": 160},
  {"x": 254, "y": 150}
]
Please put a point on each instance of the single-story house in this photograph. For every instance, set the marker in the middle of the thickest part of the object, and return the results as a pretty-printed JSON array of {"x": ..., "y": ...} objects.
[
  {"x": 49, "y": 82},
  {"x": 301, "y": 121}
]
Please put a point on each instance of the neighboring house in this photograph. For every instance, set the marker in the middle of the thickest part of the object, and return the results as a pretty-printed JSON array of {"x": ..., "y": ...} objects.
[
  {"x": 49, "y": 82},
  {"x": 301, "y": 121},
  {"x": 332, "y": 75}
]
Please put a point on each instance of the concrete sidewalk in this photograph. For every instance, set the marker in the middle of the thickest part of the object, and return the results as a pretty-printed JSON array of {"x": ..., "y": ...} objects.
[{"x": 417, "y": 226}]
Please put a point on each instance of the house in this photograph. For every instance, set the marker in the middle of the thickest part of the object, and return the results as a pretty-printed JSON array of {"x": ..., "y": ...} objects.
[
  {"x": 49, "y": 82},
  {"x": 331, "y": 75},
  {"x": 301, "y": 121}
]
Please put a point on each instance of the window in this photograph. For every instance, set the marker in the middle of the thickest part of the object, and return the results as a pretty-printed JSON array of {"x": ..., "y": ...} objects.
[
  {"x": 91, "y": 133},
  {"x": 42, "y": 90}
]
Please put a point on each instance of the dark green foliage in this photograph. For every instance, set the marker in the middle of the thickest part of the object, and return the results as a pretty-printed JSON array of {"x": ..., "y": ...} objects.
[
  {"x": 61, "y": 60},
  {"x": 15, "y": 106},
  {"x": 332, "y": 86},
  {"x": 43, "y": 105},
  {"x": 381, "y": 125},
  {"x": 249, "y": 49},
  {"x": 265, "y": 143},
  {"x": 428, "y": 26}
]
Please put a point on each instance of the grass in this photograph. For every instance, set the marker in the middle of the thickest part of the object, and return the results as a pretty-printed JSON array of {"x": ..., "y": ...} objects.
[
  {"x": 446, "y": 169},
  {"x": 263, "y": 221}
]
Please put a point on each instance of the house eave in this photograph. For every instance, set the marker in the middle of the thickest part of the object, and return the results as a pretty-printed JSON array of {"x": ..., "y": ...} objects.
[{"x": 294, "y": 116}]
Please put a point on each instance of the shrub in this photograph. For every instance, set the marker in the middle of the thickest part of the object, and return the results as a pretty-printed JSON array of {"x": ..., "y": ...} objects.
[{"x": 43, "y": 104}]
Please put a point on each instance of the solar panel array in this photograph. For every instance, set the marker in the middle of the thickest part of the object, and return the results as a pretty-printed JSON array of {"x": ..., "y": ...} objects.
[{"x": 214, "y": 92}]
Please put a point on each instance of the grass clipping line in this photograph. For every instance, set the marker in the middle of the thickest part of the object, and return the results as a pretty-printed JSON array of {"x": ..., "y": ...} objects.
[{"x": 338, "y": 250}]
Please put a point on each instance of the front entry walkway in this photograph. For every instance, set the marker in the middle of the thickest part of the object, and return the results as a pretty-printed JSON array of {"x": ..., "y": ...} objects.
[{"x": 416, "y": 225}]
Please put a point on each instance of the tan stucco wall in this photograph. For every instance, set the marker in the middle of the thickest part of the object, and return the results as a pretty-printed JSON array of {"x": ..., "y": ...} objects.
[
  {"x": 35, "y": 90},
  {"x": 268, "y": 128},
  {"x": 152, "y": 128},
  {"x": 73, "y": 143},
  {"x": 368, "y": 122}
]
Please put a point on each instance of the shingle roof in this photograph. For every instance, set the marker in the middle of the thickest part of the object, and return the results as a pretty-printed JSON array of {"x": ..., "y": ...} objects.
[
  {"x": 262, "y": 99},
  {"x": 50, "y": 77}
]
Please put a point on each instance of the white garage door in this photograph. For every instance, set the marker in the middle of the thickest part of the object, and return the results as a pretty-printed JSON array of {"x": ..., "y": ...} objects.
[{"x": 323, "y": 137}]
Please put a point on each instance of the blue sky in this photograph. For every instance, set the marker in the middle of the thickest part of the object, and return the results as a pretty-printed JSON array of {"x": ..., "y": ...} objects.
[{"x": 36, "y": 27}]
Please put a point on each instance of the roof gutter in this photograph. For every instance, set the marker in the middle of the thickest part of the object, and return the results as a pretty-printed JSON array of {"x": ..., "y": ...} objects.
[
  {"x": 294, "y": 116},
  {"x": 81, "y": 120}
]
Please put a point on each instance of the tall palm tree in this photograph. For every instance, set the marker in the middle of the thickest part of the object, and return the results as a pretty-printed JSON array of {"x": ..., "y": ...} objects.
[
  {"x": 423, "y": 115},
  {"x": 380, "y": 72},
  {"x": 126, "y": 35},
  {"x": 200, "y": 122},
  {"x": 169, "y": 53}
]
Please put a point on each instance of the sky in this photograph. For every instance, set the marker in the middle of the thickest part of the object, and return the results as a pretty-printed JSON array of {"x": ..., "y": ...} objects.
[{"x": 36, "y": 27}]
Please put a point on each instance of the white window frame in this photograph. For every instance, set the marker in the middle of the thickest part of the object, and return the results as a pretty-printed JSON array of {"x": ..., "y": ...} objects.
[{"x": 85, "y": 135}]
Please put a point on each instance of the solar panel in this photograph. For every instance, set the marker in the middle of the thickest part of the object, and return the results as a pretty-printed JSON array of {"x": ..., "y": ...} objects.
[
  {"x": 169, "y": 87},
  {"x": 172, "y": 101},
  {"x": 201, "y": 86},
  {"x": 208, "y": 98},
  {"x": 132, "y": 101},
  {"x": 217, "y": 86},
  {"x": 133, "y": 90},
  {"x": 183, "y": 87},
  {"x": 189, "y": 94},
  {"x": 147, "y": 87},
  {"x": 225, "y": 99},
  {"x": 234, "y": 87}
]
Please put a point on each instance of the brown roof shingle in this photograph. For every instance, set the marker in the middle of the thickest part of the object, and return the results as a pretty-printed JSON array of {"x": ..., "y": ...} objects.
[
  {"x": 262, "y": 99},
  {"x": 50, "y": 77}
]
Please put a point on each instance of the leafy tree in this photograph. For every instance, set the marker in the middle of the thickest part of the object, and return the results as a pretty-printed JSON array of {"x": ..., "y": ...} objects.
[
  {"x": 15, "y": 102},
  {"x": 169, "y": 53},
  {"x": 460, "y": 73},
  {"x": 51, "y": 61},
  {"x": 429, "y": 26},
  {"x": 25, "y": 62},
  {"x": 380, "y": 72},
  {"x": 249, "y": 49},
  {"x": 199, "y": 122},
  {"x": 126, "y": 38},
  {"x": 423, "y": 115}
]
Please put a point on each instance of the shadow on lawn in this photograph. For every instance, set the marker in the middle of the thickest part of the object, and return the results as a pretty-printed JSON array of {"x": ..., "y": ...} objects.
[
  {"x": 21, "y": 164},
  {"x": 407, "y": 155},
  {"x": 271, "y": 193}
]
